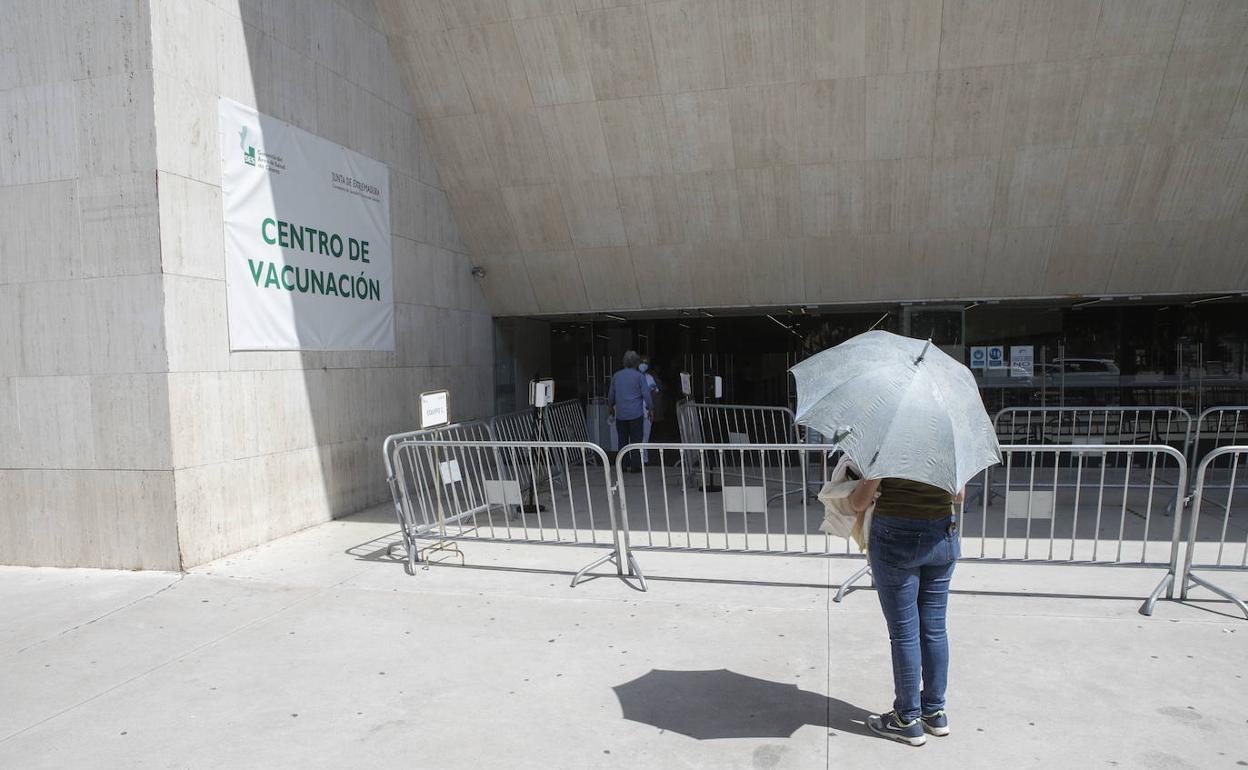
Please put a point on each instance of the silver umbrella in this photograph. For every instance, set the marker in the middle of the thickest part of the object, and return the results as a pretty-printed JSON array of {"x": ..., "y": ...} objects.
[{"x": 900, "y": 408}]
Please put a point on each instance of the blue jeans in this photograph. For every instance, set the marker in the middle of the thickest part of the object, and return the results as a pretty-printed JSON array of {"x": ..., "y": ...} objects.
[{"x": 912, "y": 562}]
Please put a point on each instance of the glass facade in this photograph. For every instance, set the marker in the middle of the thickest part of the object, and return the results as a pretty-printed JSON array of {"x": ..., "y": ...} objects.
[{"x": 1121, "y": 352}]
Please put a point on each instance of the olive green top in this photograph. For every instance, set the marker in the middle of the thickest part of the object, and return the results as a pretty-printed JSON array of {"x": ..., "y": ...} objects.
[{"x": 907, "y": 499}]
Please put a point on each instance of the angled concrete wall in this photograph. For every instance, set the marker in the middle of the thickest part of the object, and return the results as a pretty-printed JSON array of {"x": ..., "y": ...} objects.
[
  {"x": 267, "y": 443},
  {"x": 85, "y": 458},
  {"x": 130, "y": 435}
]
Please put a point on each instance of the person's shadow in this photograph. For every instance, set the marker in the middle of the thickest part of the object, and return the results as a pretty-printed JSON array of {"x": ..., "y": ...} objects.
[{"x": 724, "y": 704}]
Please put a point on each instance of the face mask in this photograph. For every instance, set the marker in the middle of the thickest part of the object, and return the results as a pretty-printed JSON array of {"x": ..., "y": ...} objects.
[{"x": 644, "y": 367}]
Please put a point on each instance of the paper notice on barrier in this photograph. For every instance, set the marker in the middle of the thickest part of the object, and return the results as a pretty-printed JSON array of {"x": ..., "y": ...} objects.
[
  {"x": 450, "y": 472},
  {"x": 1022, "y": 504},
  {"x": 502, "y": 492},
  {"x": 744, "y": 499},
  {"x": 738, "y": 438}
]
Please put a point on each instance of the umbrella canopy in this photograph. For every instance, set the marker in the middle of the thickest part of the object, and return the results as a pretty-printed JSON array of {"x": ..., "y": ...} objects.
[{"x": 901, "y": 407}]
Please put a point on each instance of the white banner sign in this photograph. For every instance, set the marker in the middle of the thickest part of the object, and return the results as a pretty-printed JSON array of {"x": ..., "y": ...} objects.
[{"x": 307, "y": 239}]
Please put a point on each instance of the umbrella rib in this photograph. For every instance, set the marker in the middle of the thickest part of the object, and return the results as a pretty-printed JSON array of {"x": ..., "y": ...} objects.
[
  {"x": 955, "y": 435},
  {"x": 892, "y": 420},
  {"x": 843, "y": 384}
]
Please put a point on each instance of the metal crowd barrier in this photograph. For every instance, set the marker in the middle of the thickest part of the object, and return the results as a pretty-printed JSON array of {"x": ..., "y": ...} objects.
[
  {"x": 515, "y": 426},
  {"x": 741, "y": 504},
  {"x": 735, "y": 424},
  {"x": 1095, "y": 425},
  {"x": 452, "y": 491},
  {"x": 1084, "y": 504},
  {"x": 1111, "y": 425},
  {"x": 399, "y": 470},
  {"x": 565, "y": 421},
  {"x": 1100, "y": 505},
  {"x": 1219, "y": 426},
  {"x": 561, "y": 421},
  {"x": 1095, "y": 504},
  {"x": 1217, "y": 538},
  {"x": 469, "y": 430}
]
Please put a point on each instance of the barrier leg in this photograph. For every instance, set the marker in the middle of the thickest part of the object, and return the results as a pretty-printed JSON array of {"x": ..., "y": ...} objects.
[
  {"x": 840, "y": 592},
  {"x": 634, "y": 570},
  {"x": 1166, "y": 582},
  {"x": 411, "y": 554},
  {"x": 1219, "y": 591},
  {"x": 579, "y": 577}
]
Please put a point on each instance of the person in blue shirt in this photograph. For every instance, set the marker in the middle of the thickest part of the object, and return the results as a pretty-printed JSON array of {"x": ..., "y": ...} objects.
[{"x": 629, "y": 401}]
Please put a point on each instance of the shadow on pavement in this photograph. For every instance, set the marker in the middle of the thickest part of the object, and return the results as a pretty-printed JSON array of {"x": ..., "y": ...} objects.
[{"x": 724, "y": 704}]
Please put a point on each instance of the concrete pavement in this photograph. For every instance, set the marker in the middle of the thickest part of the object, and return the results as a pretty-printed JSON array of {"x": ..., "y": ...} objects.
[{"x": 316, "y": 651}]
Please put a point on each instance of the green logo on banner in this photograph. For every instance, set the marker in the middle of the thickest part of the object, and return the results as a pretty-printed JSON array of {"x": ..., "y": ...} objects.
[{"x": 249, "y": 152}]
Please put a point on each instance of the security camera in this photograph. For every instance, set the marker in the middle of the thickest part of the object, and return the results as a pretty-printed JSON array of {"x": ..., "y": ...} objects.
[{"x": 478, "y": 271}]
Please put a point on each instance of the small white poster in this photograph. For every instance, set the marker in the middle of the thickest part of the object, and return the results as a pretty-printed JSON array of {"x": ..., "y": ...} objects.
[
  {"x": 686, "y": 383},
  {"x": 307, "y": 239},
  {"x": 1022, "y": 361},
  {"x": 449, "y": 471},
  {"x": 979, "y": 357},
  {"x": 996, "y": 356}
]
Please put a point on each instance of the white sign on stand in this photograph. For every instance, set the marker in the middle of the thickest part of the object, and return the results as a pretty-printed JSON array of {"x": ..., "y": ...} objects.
[
  {"x": 541, "y": 393},
  {"x": 686, "y": 383},
  {"x": 1022, "y": 361},
  {"x": 719, "y": 386},
  {"x": 435, "y": 409},
  {"x": 996, "y": 356},
  {"x": 979, "y": 357}
]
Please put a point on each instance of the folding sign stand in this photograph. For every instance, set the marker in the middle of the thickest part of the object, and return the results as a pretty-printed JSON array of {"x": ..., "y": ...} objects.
[
  {"x": 697, "y": 470},
  {"x": 435, "y": 412},
  {"x": 541, "y": 394},
  {"x": 706, "y": 479}
]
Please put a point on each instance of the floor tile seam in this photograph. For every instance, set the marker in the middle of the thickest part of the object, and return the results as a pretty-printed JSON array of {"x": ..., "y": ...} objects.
[
  {"x": 1133, "y": 617},
  {"x": 827, "y": 739},
  {"x": 170, "y": 661},
  {"x": 174, "y": 580},
  {"x": 596, "y": 599},
  {"x": 438, "y": 591}
]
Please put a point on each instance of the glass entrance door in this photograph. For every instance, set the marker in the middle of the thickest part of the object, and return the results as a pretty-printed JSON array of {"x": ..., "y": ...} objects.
[{"x": 942, "y": 324}]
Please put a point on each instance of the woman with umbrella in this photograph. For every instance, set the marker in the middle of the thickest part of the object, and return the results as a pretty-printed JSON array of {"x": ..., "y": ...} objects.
[{"x": 911, "y": 418}]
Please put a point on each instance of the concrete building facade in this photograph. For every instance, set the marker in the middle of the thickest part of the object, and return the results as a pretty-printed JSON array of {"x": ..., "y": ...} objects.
[
  {"x": 612, "y": 155},
  {"x": 133, "y": 436},
  {"x": 591, "y": 156}
]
